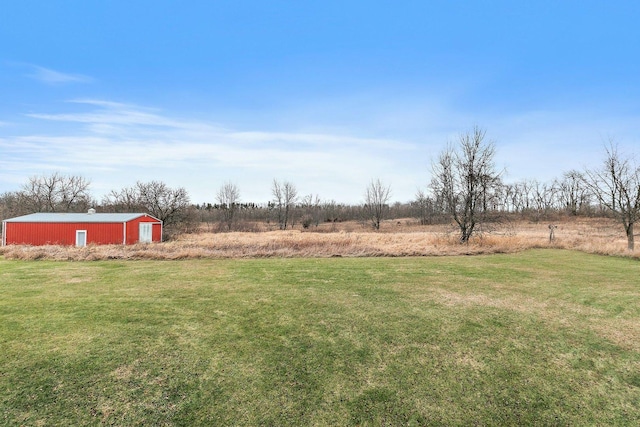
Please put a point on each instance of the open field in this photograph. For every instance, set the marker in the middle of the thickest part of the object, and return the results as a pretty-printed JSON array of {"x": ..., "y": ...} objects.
[
  {"x": 351, "y": 239},
  {"x": 542, "y": 337}
]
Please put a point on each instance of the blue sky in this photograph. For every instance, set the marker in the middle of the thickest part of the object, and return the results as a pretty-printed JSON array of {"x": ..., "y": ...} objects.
[{"x": 326, "y": 94}]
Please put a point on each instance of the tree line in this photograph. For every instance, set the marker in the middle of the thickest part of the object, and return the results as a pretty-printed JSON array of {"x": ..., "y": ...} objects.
[{"x": 465, "y": 189}]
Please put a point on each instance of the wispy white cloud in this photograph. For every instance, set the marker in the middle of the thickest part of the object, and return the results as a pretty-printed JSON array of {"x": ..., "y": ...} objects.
[
  {"x": 113, "y": 115},
  {"x": 115, "y": 144},
  {"x": 116, "y": 141},
  {"x": 53, "y": 77}
]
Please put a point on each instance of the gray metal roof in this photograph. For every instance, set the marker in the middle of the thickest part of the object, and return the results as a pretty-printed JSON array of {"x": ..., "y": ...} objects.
[{"x": 77, "y": 217}]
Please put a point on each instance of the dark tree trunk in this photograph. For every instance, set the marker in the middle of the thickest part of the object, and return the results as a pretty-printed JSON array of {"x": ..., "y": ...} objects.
[{"x": 630, "y": 242}]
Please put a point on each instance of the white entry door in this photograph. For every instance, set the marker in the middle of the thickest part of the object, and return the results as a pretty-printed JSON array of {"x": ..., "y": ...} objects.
[
  {"x": 81, "y": 238},
  {"x": 146, "y": 234}
]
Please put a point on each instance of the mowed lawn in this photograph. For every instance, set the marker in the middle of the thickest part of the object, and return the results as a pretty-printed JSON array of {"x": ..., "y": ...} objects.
[{"x": 543, "y": 337}]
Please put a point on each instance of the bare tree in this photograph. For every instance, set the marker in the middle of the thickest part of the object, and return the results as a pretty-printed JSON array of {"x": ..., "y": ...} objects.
[
  {"x": 544, "y": 197},
  {"x": 572, "y": 192},
  {"x": 228, "y": 198},
  {"x": 167, "y": 204},
  {"x": 124, "y": 200},
  {"x": 170, "y": 205},
  {"x": 10, "y": 205},
  {"x": 285, "y": 196},
  {"x": 424, "y": 208},
  {"x": 376, "y": 199},
  {"x": 521, "y": 196},
  {"x": 55, "y": 193},
  {"x": 462, "y": 178},
  {"x": 616, "y": 185},
  {"x": 310, "y": 207},
  {"x": 331, "y": 211}
]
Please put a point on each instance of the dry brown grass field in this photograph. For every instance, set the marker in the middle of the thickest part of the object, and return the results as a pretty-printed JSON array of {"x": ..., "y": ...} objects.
[{"x": 351, "y": 239}]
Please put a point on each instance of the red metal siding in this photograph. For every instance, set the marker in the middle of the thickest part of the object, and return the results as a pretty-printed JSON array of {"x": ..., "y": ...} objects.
[
  {"x": 36, "y": 234},
  {"x": 157, "y": 232},
  {"x": 133, "y": 229},
  {"x": 64, "y": 233}
]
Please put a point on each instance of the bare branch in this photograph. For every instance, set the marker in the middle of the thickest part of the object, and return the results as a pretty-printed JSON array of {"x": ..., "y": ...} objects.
[{"x": 376, "y": 201}]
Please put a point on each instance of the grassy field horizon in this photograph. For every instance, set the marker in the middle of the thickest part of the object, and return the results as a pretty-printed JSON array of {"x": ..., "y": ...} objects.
[
  {"x": 396, "y": 238},
  {"x": 543, "y": 336}
]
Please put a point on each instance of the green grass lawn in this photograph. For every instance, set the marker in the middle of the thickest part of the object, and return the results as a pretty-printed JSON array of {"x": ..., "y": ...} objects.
[{"x": 541, "y": 337}]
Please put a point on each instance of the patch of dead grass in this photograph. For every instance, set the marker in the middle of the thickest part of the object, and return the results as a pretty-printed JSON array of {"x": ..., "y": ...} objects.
[{"x": 622, "y": 332}]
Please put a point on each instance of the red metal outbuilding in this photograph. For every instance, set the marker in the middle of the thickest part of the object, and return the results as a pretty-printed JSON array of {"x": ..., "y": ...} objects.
[{"x": 81, "y": 229}]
